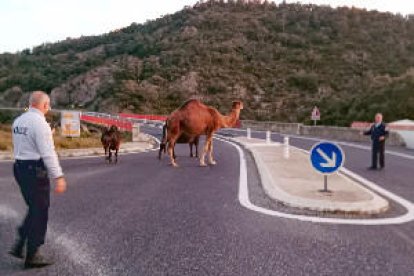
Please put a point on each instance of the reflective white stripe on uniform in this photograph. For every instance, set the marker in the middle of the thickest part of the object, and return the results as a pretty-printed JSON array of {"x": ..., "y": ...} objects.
[{"x": 33, "y": 140}]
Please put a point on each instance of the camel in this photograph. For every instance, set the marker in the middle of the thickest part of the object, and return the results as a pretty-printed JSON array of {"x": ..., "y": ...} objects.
[
  {"x": 193, "y": 119},
  {"x": 183, "y": 139}
]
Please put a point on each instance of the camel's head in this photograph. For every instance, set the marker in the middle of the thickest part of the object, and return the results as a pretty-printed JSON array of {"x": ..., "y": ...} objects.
[{"x": 237, "y": 105}]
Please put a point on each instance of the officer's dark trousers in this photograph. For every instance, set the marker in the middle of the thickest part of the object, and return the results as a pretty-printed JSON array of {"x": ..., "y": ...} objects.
[
  {"x": 31, "y": 175},
  {"x": 378, "y": 148}
]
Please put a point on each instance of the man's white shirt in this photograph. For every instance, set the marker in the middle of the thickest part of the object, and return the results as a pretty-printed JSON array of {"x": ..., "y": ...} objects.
[{"x": 33, "y": 140}]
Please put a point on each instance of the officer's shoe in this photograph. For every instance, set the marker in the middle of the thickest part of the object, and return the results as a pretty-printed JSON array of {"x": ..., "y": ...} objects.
[
  {"x": 17, "y": 250},
  {"x": 36, "y": 260}
]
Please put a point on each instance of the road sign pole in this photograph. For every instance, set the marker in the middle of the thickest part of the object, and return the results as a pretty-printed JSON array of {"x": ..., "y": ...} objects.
[{"x": 326, "y": 158}]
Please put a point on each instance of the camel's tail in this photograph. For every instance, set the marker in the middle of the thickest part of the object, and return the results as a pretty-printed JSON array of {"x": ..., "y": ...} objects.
[{"x": 163, "y": 144}]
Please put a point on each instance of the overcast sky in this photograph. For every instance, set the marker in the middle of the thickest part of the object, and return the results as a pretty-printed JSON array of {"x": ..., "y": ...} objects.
[{"x": 27, "y": 23}]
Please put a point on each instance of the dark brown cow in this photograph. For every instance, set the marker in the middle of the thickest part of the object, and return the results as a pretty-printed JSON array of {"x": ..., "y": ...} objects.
[{"x": 111, "y": 141}]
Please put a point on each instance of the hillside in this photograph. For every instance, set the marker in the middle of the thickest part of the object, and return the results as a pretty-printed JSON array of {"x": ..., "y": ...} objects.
[{"x": 281, "y": 60}]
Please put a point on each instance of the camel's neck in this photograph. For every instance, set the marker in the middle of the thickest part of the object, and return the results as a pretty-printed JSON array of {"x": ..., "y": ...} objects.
[{"x": 231, "y": 119}]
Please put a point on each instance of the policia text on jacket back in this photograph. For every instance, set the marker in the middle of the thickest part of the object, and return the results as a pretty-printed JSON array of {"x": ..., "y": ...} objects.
[{"x": 36, "y": 161}]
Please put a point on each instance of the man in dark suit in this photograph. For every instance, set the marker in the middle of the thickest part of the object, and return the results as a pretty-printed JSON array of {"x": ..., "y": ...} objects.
[{"x": 378, "y": 134}]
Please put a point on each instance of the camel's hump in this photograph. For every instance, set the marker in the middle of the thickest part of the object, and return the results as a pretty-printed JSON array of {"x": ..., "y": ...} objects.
[{"x": 191, "y": 102}]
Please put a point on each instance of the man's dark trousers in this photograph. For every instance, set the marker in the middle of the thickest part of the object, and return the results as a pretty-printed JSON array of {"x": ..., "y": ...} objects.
[
  {"x": 31, "y": 175},
  {"x": 378, "y": 148}
]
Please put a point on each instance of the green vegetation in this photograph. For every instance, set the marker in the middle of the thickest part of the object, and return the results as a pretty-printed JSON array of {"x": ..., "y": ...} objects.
[{"x": 281, "y": 60}]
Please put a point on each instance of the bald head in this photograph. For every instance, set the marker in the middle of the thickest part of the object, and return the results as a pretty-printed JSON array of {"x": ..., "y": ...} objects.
[
  {"x": 40, "y": 100},
  {"x": 378, "y": 118}
]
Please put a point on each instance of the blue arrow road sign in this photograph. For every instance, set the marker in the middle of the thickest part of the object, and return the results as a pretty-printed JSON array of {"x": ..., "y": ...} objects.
[{"x": 327, "y": 157}]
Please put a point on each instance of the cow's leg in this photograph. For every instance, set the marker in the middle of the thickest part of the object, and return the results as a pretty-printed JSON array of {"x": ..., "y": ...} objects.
[
  {"x": 191, "y": 149},
  {"x": 162, "y": 149},
  {"x": 106, "y": 153},
  {"x": 116, "y": 155},
  {"x": 110, "y": 156},
  {"x": 210, "y": 152}
]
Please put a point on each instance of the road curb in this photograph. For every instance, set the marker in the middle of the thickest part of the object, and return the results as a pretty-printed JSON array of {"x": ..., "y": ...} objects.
[{"x": 130, "y": 147}]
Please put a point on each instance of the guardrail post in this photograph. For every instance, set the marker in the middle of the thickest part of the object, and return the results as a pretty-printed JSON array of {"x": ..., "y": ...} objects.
[{"x": 135, "y": 132}]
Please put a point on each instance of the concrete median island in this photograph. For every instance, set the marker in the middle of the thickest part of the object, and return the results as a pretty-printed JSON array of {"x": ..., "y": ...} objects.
[{"x": 288, "y": 177}]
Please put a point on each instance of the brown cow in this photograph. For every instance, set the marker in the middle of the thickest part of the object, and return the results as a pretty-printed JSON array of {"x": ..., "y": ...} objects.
[{"x": 111, "y": 140}]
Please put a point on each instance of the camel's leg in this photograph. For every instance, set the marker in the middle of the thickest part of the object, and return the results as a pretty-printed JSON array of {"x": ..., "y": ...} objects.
[
  {"x": 203, "y": 154},
  {"x": 171, "y": 145},
  {"x": 210, "y": 152}
]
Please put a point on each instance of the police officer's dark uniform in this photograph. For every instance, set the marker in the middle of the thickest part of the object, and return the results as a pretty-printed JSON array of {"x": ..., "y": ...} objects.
[
  {"x": 378, "y": 146},
  {"x": 36, "y": 160}
]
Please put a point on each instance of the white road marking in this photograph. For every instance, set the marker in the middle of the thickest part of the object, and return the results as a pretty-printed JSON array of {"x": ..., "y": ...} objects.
[
  {"x": 353, "y": 145},
  {"x": 245, "y": 201}
]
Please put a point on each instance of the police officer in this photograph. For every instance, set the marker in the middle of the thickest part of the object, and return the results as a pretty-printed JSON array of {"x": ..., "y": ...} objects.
[
  {"x": 378, "y": 134},
  {"x": 36, "y": 161}
]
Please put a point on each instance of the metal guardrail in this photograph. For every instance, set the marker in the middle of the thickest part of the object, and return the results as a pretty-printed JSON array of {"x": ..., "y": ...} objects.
[
  {"x": 12, "y": 108},
  {"x": 124, "y": 123}
]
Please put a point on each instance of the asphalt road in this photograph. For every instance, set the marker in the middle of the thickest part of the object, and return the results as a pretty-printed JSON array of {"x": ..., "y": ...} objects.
[{"x": 143, "y": 217}]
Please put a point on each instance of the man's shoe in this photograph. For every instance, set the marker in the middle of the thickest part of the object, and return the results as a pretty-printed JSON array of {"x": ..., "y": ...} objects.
[
  {"x": 36, "y": 261},
  {"x": 17, "y": 250},
  {"x": 372, "y": 168}
]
